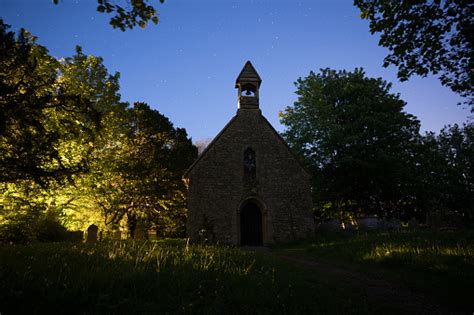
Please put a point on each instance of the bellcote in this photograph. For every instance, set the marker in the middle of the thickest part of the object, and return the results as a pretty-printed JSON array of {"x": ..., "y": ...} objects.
[{"x": 248, "y": 83}]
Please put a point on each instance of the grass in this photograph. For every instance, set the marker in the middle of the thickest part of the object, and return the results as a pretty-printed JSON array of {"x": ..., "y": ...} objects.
[
  {"x": 156, "y": 277},
  {"x": 439, "y": 264},
  {"x": 172, "y": 277},
  {"x": 129, "y": 276}
]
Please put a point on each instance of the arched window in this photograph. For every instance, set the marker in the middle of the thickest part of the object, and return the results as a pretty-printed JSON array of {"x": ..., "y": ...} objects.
[
  {"x": 250, "y": 165},
  {"x": 249, "y": 90}
]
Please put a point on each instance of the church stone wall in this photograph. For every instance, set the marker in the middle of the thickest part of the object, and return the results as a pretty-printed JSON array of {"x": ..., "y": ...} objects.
[{"x": 217, "y": 189}]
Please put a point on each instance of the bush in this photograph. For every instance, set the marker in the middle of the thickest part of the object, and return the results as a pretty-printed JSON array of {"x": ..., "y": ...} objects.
[
  {"x": 49, "y": 229},
  {"x": 21, "y": 229}
]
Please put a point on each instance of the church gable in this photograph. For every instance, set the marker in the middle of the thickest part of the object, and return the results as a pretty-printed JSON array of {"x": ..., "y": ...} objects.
[
  {"x": 247, "y": 188},
  {"x": 257, "y": 131}
]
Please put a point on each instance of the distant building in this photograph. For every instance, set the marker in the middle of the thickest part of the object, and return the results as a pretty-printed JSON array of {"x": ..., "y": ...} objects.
[{"x": 247, "y": 188}]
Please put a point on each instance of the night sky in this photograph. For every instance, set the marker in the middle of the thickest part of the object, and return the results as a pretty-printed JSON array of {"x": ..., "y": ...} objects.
[{"x": 186, "y": 66}]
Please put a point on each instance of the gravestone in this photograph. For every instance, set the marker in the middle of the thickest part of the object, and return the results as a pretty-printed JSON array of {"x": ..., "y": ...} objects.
[
  {"x": 140, "y": 231},
  {"x": 330, "y": 225},
  {"x": 368, "y": 223},
  {"x": 92, "y": 233},
  {"x": 389, "y": 224},
  {"x": 152, "y": 236},
  {"x": 117, "y": 235},
  {"x": 413, "y": 223}
]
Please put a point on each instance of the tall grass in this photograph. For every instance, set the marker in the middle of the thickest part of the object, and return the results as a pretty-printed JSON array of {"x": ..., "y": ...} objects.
[
  {"x": 174, "y": 277},
  {"x": 164, "y": 277}
]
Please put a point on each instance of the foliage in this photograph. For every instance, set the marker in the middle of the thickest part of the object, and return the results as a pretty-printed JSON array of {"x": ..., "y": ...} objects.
[
  {"x": 129, "y": 166},
  {"x": 34, "y": 226},
  {"x": 426, "y": 37},
  {"x": 87, "y": 76},
  {"x": 450, "y": 175},
  {"x": 137, "y": 173},
  {"x": 30, "y": 213},
  {"x": 139, "y": 13},
  {"x": 357, "y": 141},
  {"x": 41, "y": 120}
]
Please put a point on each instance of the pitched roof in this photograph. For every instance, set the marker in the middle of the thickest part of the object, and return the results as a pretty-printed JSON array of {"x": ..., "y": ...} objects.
[
  {"x": 297, "y": 158},
  {"x": 248, "y": 74},
  {"x": 209, "y": 146}
]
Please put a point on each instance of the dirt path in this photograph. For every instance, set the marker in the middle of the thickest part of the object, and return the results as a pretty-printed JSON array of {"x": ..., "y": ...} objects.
[{"x": 409, "y": 301}]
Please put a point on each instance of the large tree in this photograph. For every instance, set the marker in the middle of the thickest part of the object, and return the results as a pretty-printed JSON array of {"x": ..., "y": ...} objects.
[
  {"x": 137, "y": 159},
  {"x": 455, "y": 182},
  {"x": 426, "y": 36},
  {"x": 39, "y": 116},
  {"x": 137, "y": 173},
  {"x": 356, "y": 139},
  {"x": 129, "y": 166}
]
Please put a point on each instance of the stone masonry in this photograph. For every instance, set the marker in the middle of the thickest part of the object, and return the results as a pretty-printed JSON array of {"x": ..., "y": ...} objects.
[{"x": 219, "y": 189}]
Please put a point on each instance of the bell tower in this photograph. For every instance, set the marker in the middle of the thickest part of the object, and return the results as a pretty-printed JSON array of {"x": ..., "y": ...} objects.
[{"x": 248, "y": 83}]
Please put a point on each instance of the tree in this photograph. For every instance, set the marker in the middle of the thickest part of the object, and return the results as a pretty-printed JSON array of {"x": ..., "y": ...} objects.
[
  {"x": 51, "y": 114},
  {"x": 356, "y": 140},
  {"x": 138, "y": 13},
  {"x": 137, "y": 172},
  {"x": 129, "y": 166},
  {"x": 87, "y": 76},
  {"x": 455, "y": 186},
  {"x": 444, "y": 176},
  {"x": 39, "y": 116},
  {"x": 426, "y": 37}
]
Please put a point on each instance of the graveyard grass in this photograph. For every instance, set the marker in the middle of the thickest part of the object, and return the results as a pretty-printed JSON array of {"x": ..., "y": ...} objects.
[{"x": 171, "y": 276}]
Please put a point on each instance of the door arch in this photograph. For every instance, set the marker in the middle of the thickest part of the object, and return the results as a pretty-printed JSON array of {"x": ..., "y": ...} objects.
[{"x": 251, "y": 232}]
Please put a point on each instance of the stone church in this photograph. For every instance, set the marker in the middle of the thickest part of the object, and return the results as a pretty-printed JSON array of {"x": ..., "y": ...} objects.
[{"x": 247, "y": 188}]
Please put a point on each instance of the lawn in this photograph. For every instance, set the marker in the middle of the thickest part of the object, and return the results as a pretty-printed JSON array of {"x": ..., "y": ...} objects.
[
  {"x": 174, "y": 277},
  {"x": 437, "y": 264}
]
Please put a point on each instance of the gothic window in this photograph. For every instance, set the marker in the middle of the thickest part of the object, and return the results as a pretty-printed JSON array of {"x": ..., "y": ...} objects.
[{"x": 250, "y": 165}]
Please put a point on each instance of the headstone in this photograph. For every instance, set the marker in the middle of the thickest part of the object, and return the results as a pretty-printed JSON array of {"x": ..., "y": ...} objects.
[
  {"x": 152, "y": 235},
  {"x": 330, "y": 225},
  {"x": 140, "y": 231},
  {"x": 445, "y": 219},
  {"x": 389, "y": 224},
  {"x": 413, "y": 223},
  {"x": 117, "y": 235},
  {"x": 368, "y": 223},
  {"x": 350, "y": 226},
  {"x": 92, "y": 233}
]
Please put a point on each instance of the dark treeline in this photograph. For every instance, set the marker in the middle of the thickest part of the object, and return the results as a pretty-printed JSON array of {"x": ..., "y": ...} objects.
[
  {"x": 73, "y": 154},
  {"x": 368, "y": 157}
]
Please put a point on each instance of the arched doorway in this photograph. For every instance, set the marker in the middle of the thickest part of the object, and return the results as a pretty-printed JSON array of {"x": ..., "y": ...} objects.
[{"x": 251, "y": 225}]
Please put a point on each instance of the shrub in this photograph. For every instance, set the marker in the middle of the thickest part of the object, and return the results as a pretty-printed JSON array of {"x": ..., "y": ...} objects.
[{"x": 23, "y": 228}]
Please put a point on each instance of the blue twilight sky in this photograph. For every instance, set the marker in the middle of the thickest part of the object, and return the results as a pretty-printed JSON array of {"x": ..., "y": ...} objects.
[{"x": 186, "y": 65}]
